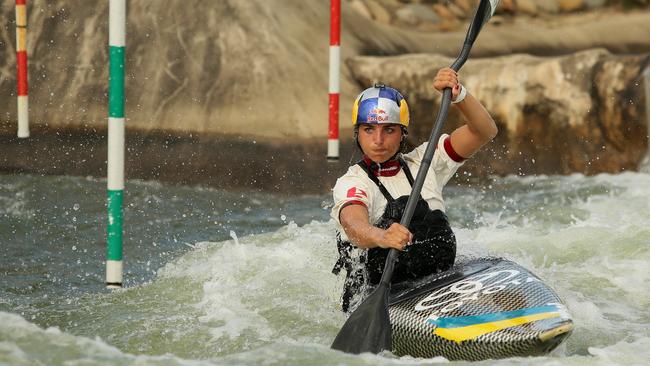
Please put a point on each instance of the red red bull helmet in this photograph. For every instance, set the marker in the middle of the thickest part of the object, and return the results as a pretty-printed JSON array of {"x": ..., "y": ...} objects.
[{"x": 380, "y": 104}]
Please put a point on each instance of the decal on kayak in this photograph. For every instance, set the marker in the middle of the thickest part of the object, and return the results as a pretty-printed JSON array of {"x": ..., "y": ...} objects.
[
  {"x": 462, "y": 328},
  {"x": 483, "y": 308},
  {"x": 455, "y": 295}
]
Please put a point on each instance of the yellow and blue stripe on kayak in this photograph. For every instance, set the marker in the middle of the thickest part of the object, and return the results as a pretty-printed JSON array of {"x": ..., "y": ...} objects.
[{"x": 462, "y": 328}]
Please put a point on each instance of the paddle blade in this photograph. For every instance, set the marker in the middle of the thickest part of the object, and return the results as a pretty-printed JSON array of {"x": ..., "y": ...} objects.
[{"x": 368, "y": 327}]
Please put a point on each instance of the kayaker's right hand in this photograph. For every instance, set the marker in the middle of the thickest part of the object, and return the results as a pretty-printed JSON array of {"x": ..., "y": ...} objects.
[{"x": 396, "y": 236}]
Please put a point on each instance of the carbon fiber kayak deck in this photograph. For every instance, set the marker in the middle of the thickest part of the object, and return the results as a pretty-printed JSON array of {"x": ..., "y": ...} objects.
[{"x": 480, "y": 309}]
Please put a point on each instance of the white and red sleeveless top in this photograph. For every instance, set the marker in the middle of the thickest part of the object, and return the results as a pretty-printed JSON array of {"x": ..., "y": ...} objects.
[{"x": 355, "y": 187}]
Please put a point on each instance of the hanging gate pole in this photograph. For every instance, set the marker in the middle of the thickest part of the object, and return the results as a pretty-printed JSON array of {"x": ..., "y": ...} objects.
[
  {"x": 115, "y": 180},
  {"x": 644, "y": 165},
  {"x": 21, "y": 61},
  {"x": 335, "y": 61}
]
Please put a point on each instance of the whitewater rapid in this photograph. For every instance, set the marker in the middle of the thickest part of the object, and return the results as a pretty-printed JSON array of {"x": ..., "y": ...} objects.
[{"x": 232, "y": 278}]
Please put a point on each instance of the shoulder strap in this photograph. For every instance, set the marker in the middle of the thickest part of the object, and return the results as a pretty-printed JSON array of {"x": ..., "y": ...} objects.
[
  {"x": 407, "y": 171},
  {"x": 373, "y": 178}
]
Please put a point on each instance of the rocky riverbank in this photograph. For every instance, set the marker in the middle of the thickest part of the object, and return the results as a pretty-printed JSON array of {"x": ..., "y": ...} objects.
[
  {"x": 240, "y": 86},
  {"x": 442, "y": 16},
  {"x": 582, "y": 112}
]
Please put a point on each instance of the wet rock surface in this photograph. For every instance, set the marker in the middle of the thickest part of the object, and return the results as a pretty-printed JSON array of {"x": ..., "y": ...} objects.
[
  {"x": 255, "y": 73},
  {"x": 578, "y": 113},
  {"x": 239, "y": 164}
]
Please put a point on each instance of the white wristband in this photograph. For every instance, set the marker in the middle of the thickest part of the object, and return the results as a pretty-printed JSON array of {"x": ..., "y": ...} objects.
[{"x": 461, "y": 95}]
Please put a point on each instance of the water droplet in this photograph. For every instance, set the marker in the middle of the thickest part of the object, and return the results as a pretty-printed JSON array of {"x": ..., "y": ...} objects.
[{"x": 234, "y": 237}]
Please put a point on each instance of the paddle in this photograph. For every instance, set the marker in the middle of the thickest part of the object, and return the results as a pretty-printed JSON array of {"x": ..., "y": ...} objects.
[{"x": 368, "y": 327}]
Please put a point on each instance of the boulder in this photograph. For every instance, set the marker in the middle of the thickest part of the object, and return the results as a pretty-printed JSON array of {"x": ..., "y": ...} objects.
[
  {"x": 413, "y": 14},
  {"x": 528, "y": 7},
  {"x": 247, "y": 77},
  {"x": 458, "y": 11},
  {"x": 379, "y": 12},
  {"x": 443, "y": 12},
  {"x": 506, "y": 6},
  {"x": 407, "y": 16},
  {"x": 592, "y": 4},
  {"x": 547, "y": 6},
  {"x": 578, "y": 113},
  {"x": 570, "y": 5},
  {"x": 232, "y": 67},
  {"x": 361, "y": 8},
  {"x": 466, "y": 5}
]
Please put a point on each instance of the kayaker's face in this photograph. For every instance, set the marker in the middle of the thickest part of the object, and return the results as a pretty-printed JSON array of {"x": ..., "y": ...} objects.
[{"x": 380, "y": 141}]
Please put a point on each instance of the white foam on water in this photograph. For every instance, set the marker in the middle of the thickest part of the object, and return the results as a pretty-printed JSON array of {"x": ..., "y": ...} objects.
[
  {"x": 271, "y": 299},
  {"x": 19, "y": 336},
  {"x": 594, "y": 249},
  {"x": 261, "y": 288},
  {"x": 24, "y": 343},
  {"x": 16, "y": 205},
  {"x": 625, "y": 352},
  {"x": 277, "y": 287}
]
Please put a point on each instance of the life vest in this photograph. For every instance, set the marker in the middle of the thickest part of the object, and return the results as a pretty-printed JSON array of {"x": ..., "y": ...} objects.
[{"x": 433, "y": 248}]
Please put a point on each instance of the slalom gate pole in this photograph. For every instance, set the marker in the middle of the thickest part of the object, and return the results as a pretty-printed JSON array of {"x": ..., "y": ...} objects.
[
  {"x": 645, "y": 162},
  {"x": 115, "y": 179},
  {"x": 646, "y": 82},
  {"x": 21, "y": 63},
  {"x": 334, "y": 80}
]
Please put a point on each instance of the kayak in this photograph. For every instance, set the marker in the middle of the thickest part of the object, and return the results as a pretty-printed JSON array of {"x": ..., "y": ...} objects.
[{"x": 481, "y": 309}]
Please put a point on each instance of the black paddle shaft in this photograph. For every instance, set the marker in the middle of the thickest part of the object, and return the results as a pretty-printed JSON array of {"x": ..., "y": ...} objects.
[
  {"x": 483, "y": 14},
  {"x": 368, "y": 328}
]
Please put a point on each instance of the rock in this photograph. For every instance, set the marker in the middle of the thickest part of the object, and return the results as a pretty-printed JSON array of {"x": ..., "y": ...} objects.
[
  {"x": 592, "y": 4},
  {"x": 230, "y": 68},
  {"x": 496, "y": 19},
  {"x": 224, "y": 162},
  {"x": 390, "y": 4},
  {"x": 416, "y": 13},
  {"x": 570, "y": 5},
  {"x": 527, "y": 7},
  {"x": 547, "y": 6},
  {"x": 465, "y": 5},
  {"x": 579, "y": 113},
  {"x": 444, "y": 26},
  {"x": 236, "y": 73},
  {"x": 457, "y": 11},
  {"x": 360, "y": 7},
  {"x": 433, "y": 27},
  {"x": 379, "y": 12},
  {"x": 506, "y": 6},
  {"x": 443, "y": 12},
  {"x": 407, "y": 15}
]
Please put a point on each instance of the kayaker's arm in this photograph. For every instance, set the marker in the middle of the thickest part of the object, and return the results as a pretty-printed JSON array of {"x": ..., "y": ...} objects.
[
  {"x": 479, "y": 128},
  {"x": 356, "y": 223}
]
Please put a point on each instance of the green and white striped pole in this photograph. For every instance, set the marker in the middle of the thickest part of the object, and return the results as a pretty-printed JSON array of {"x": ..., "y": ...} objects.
[{"x": 116, "y": 42}]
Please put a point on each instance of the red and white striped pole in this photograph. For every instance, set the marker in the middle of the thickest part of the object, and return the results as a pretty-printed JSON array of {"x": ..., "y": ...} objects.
[
  {"x": 335, "y": 63},
  {"x": 21, "y": 61}
]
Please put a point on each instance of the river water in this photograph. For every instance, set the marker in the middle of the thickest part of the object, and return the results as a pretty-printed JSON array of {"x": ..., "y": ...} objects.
[{"x": 243, "y": 278}]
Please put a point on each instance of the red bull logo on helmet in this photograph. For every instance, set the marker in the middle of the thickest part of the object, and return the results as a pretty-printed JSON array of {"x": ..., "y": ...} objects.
[{"x": 377, "y": 115}]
